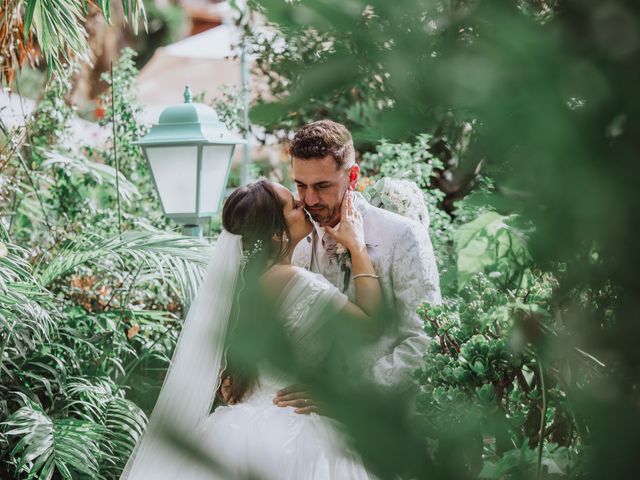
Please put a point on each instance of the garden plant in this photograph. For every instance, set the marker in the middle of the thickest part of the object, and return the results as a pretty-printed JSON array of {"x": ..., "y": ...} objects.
[{"x": 514, "y": 122}]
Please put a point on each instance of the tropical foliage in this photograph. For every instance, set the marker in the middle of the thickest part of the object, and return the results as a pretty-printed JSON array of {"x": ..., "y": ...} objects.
[
  {"x": 90, "y": 294},
  {"x": 488, "y": 95},
  {"x": 485, "y": 378},
  {"x": 516, "y": 120},
  {"x": 53, "y": 30}
]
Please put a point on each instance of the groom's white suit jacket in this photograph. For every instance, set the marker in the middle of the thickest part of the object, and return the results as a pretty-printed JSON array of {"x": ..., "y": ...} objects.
[{"x": 402, "y": 255}]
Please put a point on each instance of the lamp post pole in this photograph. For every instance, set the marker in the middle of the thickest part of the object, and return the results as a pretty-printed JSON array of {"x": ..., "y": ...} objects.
[
  {"x": 244, "y": 65},
  {"x": 193, "y": 230}
]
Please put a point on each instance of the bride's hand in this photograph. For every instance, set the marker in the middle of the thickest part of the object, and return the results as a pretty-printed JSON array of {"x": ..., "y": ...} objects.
[{"x": 350, "y": 233}]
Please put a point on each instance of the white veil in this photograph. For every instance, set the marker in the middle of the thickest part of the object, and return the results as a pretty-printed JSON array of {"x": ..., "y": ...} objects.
[{"x": 193, "y": 377}]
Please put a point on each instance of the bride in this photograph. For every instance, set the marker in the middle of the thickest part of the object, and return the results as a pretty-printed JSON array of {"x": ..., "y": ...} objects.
[{"x": 253, "y": 437}]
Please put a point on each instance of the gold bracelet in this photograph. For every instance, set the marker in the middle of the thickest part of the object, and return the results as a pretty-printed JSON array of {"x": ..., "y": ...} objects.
[{"x": 371, "y": 275}]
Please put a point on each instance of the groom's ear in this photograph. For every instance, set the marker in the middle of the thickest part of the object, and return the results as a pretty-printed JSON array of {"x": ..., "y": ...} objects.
[{"x": 354, "y": 174}]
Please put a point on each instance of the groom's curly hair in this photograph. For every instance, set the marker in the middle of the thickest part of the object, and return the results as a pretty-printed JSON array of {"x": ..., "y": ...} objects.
[{"x": 324, "y": 137}]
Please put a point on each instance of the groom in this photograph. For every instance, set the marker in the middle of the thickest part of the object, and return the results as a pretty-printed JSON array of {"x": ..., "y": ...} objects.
[{"x": 324, "y": 170}]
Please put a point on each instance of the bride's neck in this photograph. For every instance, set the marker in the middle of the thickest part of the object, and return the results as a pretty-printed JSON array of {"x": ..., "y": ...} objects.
[
  {"x": 286, "y": 260},
  {"x": 276, "y": 260}
]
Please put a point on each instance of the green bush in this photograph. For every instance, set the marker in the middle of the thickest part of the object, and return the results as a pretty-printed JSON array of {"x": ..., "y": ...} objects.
[
  {"x": 493, "y": 390},
  {"x": 90, "y": 295},
  {"x": 538, "y": 263}
]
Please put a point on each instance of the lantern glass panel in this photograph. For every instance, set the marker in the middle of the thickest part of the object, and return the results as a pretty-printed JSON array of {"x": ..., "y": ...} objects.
[
  {"x": 175, "y": 173},
  {"x": 215, "y": 168}
]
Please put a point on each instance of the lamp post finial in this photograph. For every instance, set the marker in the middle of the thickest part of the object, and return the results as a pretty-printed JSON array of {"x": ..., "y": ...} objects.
[{"x": 187, "y": 94}]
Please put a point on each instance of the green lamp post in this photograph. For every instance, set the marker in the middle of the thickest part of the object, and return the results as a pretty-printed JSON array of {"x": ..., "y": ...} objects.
[{"x": 189, "y": 153}]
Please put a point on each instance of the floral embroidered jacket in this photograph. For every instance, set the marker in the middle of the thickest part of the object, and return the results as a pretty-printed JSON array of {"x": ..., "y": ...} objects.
[{"x": 402, "y": 254}]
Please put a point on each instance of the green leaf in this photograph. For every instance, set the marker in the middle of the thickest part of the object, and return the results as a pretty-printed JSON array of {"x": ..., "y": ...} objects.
[
  {"x": 48, "y": 445},
  {"x": 159, "y": 254},
  {"x": 474, "y": 258},
  {"x": 485, "y": 222},
  {"x": 105, "y": 7},
  {"x": 29, "y": 9}
]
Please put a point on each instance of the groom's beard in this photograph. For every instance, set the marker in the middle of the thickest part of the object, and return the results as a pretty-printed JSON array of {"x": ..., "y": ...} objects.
[{"x": 324, "y": 216}]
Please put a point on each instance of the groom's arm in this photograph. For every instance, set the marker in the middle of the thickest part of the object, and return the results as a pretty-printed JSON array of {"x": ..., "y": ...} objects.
[{"x": 415, "y": 280}]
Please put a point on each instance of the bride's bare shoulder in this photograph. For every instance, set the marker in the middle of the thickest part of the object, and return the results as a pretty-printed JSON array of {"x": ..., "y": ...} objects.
[{"x": 277, "y": 277}]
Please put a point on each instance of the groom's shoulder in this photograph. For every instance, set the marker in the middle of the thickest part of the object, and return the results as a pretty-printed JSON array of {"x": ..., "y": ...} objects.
[{"x": 389, "y": 222}]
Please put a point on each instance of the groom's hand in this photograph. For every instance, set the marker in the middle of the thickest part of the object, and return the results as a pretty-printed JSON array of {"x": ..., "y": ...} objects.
[{"x": 295, "y": 396}]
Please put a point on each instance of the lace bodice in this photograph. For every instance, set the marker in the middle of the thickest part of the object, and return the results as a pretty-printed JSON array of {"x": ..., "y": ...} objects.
[
  {"x": 255, "y": 438},
  {"x": 306, "y": 303}
]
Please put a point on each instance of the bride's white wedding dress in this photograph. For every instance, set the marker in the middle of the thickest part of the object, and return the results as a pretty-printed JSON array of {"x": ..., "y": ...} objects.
[
  {"x": 258, "y": 438},
  {"x": 253, "y": 438}
]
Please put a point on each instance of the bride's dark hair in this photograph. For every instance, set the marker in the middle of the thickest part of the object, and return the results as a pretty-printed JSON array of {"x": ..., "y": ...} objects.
[{"x": 256, "y": 212}]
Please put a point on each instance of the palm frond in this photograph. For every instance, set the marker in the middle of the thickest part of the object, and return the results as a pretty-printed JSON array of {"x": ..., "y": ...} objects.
[
  {"x": 25, "y": 318},
  {"x": 100, "y": 400},
  {"x": 133, "y": 12},
  {"x": 89, "y": 397},
  {"x": 105, "y": 8},
  {"x": 125, "y": 423},
  {"x": 40, "y": 374},
  {"x": 98, "y": 172},
  {"x": 97, "y": 339},
  {"x": 161, "y": 254},
  {"x": 159, "y": 331},
  {"x": 44, "y": 446},
  {"x": 59, "y": 29},
  {"x": 19, "y": 301}
]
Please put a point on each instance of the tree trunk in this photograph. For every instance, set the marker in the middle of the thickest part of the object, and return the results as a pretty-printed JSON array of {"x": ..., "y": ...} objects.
[{"x": 106, "y": 41}]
